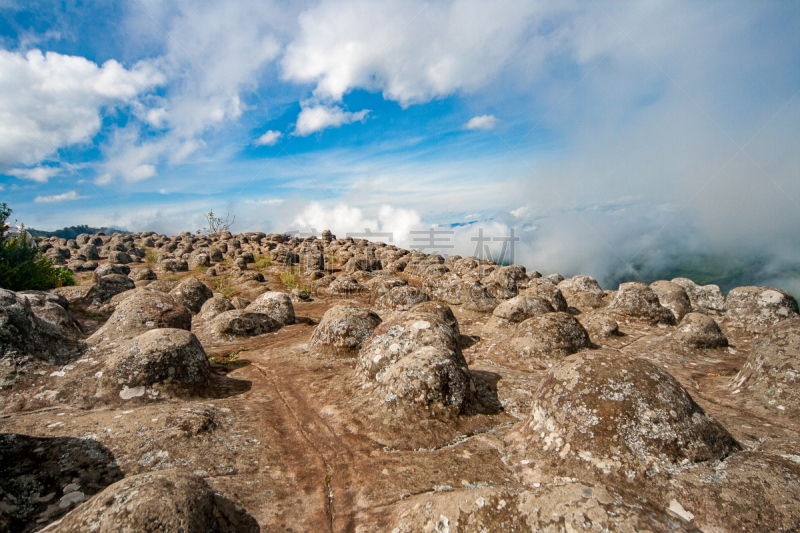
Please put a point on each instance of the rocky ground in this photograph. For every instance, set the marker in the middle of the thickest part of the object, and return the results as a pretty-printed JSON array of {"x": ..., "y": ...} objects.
[{"x": 260, "y": 382}]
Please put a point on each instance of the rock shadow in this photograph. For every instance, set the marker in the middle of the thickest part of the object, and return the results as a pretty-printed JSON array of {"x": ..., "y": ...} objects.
[
  {"x": 46, "y": 477},
  {"x": 485, "y": 400}
]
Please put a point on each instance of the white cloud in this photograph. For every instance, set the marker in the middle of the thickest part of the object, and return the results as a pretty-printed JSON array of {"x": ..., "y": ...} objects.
[
  {"x": 270, "y": 138},
  {"x": 342, "y": 219},
  {"x": 319, "y": 117},
  {"x": 2, "y": 187},
  {"x": 38, "y": 174},
  {"x": 410, "y": 51},
  {"x": 70, "y": 195},
  {"x": 482, "y": 122},
  {"x": 53, "y": 100}
]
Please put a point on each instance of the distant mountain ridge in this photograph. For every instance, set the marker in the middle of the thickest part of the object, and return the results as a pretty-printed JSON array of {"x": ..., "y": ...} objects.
[{"x": 73, "y": 231}]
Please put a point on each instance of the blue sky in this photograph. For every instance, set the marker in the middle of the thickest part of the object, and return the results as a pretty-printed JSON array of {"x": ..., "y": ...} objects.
[{"x": 603, "y": 133}]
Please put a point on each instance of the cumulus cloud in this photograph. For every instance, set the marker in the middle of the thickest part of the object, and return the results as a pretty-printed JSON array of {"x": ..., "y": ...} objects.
[
  {"x": 482, "y": 122},
  {"x": 379, "y": 46},
  {"x": 394, "y": 223},
  {"x": 319, "y": 117},
  {"x": 38, "y": 174},
  {"x": 270, "y": 138},
  {"x": 64, "y": 197},
  {"x": 53, "y": 100}
]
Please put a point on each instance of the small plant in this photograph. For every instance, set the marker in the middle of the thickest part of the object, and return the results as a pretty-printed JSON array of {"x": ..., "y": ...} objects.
[
  {"x": 150, "y": 257},
  {"x": 222, "y": 285},
  {"x": 261, "y": 262},
  {"x": 174, "y": 278},
  {"x": 288, "y": 279},
  {"x": 216, "y": 224},
  {"x": 230, "y": 359},
  {"x": 94, "y": 316}
]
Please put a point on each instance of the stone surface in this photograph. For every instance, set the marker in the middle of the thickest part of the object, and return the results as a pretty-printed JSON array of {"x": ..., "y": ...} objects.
[
  {"x": 276, "y": 305},
  {"x": 611, "y": 417},
  {"x": 755, "y": 309},
  {"x": 343, "y": 329},
  {"x": 638, "y": 301},
  {"x": 192, "y": 293},
  {"x": 153, "y": 502}
]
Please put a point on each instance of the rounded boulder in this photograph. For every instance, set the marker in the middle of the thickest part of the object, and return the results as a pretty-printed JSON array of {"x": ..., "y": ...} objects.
[
  {"x": 601, "y": 415},
  {"x": 343, "y": 329}
]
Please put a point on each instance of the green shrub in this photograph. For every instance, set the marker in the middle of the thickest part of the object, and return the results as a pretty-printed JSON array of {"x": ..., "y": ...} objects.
[
  {"x": 23, "y": 266},
  {"x": 261, "y": 262},
  {"x": 288, "y": 279}
]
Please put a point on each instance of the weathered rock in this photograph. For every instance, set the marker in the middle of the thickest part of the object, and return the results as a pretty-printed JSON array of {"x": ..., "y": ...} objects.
[
  {"x": 45, "y": 478},
  {"x": 214, "y": 306},
  {"x": 120, "y": 258},
  {"x": 192, "y": 293},
  {"x": 156, "y": 357},
  {"x": 547, "y": 290},
  {"x": 549, "y": 508},
  {"x": 110, "y": 268},
  {"x": 673, "y": 297},
  {"x": 243, "y": 323},
  {"x": 276, "y": 305},
  {"x": 472, "y": 296},
  {"x": 143, "y": 274},
  {"x": 430, "y": 378},
  {"x": 754, "y": 309},
  {"x": 25, "y": 337},
  {"x": 142, "y": 311},
  {"x": 771, "y": 375},
  {"x": 107, "y": 287},
  {"x": 701, "y": 331},
  {"x": 174, "y": 265},
  {"x": 706, "y": 299},
  {"x": 401, "y": 298},
  {"x": 503, "y": 281},
  {"x": 638, "y": 301},
  {"x": 405, "y": 332},
  {"x": 582, "y": 292},
  {"x": 603, "y": 415},
  {"x": 152, "y": 502},
  {"x": 750, "y": 491},
  {"x": 518, "y": 309},
  {"x": 547, "y": 338},
  {"x": 343, "y": 329},
  {"x": 599, "y": 326},
  {"x": 345, "y": 285}
]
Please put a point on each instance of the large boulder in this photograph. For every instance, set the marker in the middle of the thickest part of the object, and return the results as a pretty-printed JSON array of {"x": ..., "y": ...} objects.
[
  {"x": 171, "y": 357},
  {"x": 192, "y": 293},
  {"x": 431, "y": 378},
  {"x": 472, "y": 296},
  {"x": 142, "y": 311},
  {"x": 343, "y": 329},
  {"x": 700, "y": 331},
  {"x": 405, "y": 332},
  {"x": 214, "y": 306},
  {"x": 155, "y": 502},
  {"x": 243, "y": 323},
  {"x": 771, "y": 376},
  {"x": 503, "y": 281},
  {"x": 548, "y": 337},
  {"x": 706, "y": 299},
  {"x": 755, "y": 309},
  {"x": 605, "y": 416},
  {"x": 517, "y": 309},
  {"x": 276, "y": 305},
  {"x": 24, "y": 337},
  {"x": 638, "y": 301},
  {"x": 110, "y": 268},
  {"x": 53, "y": 308},
  {"x": 401, "y": 298},
  {"x": 545, "y": 288},
  {"x": 582, "y": 292},
  {"x": 673, "y": 297},
  {"x": 107, "y": 287}
]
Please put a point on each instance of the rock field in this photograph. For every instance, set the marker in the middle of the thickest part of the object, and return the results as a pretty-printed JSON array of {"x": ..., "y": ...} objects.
[{"x": 253, "y": 382}]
